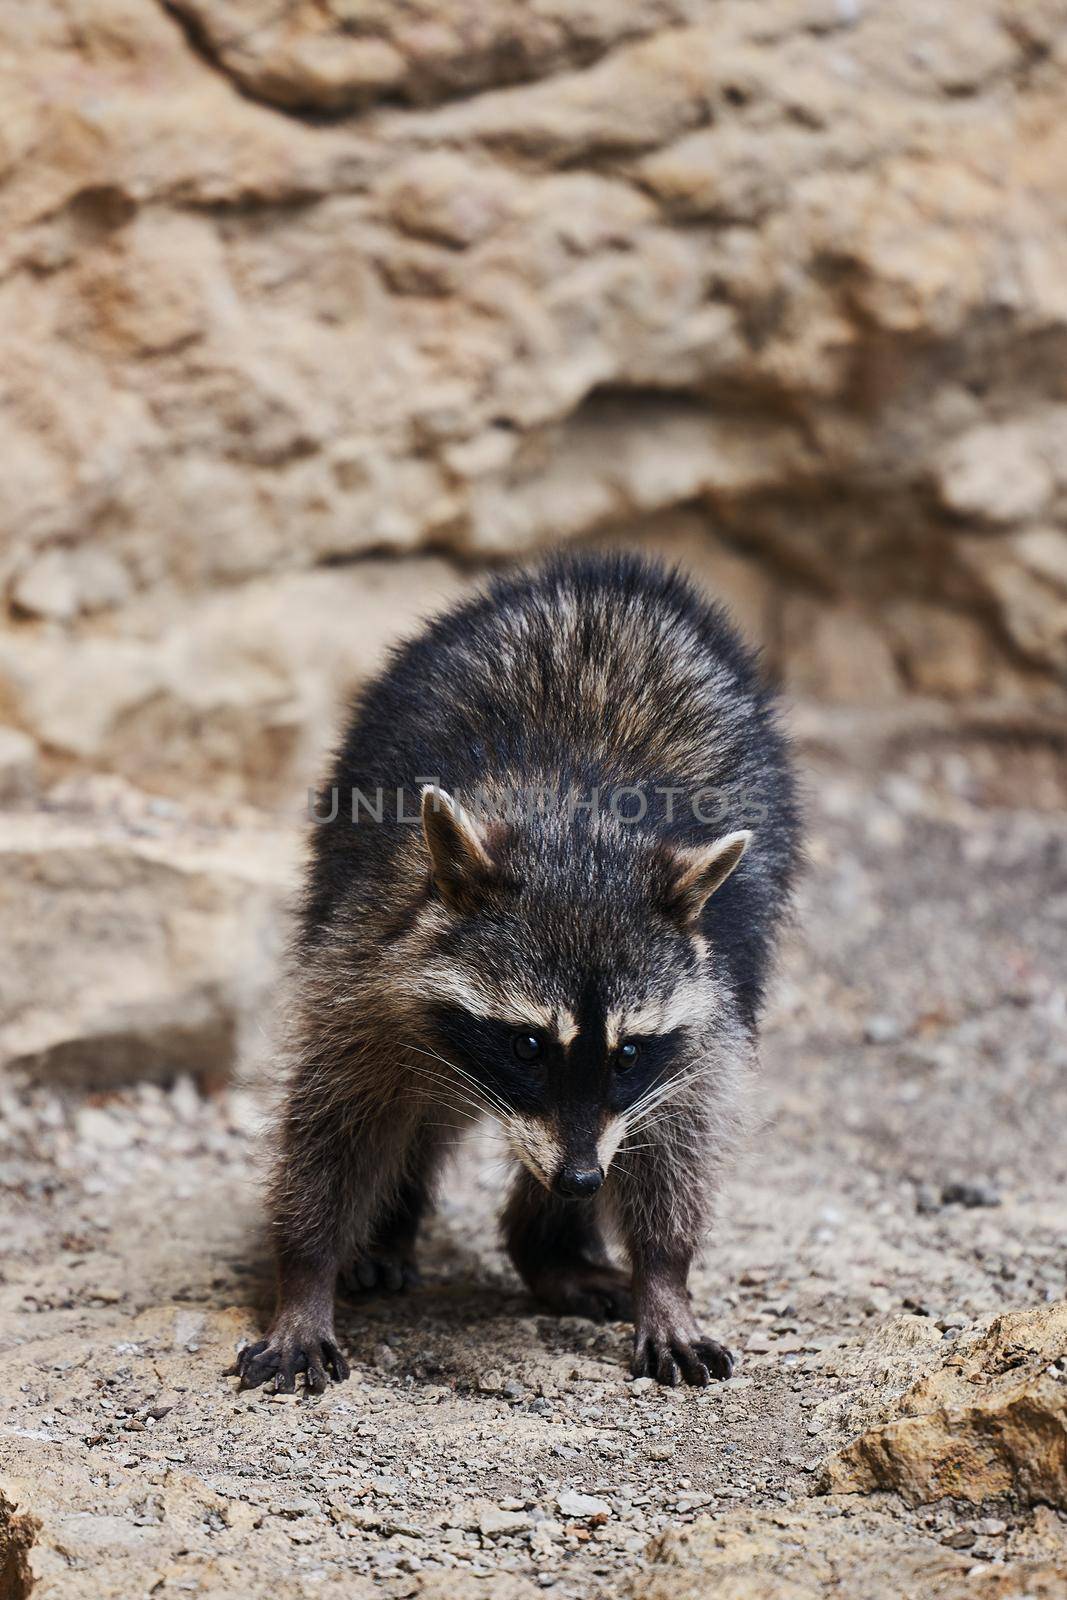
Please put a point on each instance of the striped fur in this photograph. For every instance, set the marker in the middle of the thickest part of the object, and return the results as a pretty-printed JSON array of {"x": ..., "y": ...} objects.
[{"x": 426, "y": 957}]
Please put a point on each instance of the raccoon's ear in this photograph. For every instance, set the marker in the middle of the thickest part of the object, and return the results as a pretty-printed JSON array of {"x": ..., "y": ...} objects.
[
  {"x": 696, "y": 874},
  {"x": 460, "y": 862}
]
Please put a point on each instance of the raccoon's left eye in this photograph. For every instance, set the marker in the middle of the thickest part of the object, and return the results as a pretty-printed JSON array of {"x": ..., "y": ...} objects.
[
  {"x": 628, "y": 1053},
  {"x": 527, "y": 1046}
]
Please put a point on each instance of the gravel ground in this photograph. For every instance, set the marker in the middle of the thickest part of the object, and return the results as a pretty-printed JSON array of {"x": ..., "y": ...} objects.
[{"x": 907, "y": 1180}]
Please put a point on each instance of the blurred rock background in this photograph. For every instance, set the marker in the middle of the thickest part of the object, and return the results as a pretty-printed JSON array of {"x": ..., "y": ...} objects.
[{"x": 309, "y": 312}]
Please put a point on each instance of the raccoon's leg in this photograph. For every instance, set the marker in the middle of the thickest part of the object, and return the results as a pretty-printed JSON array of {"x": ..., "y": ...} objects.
[
  {"x": 558, "y": 1251},
  {"x": 663, "y": 1212},
  {"x": 668, "y": 1342},
  {"x": 388, "y": 1261},
  {"x": 331, "y": 1181}
]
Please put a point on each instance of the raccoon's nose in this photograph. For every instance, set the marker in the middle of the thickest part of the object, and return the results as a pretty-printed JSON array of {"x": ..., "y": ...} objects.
[{"x": 578, "y": 1183}]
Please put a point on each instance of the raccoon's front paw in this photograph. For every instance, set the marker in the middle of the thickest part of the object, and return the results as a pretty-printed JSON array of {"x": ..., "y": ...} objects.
[
  {"x": 593, "y": 1290},
  {"x": 285, "y": 1353},
  {"x": 670, "y": 1357},
  {"x": 379, "y": 1272}
]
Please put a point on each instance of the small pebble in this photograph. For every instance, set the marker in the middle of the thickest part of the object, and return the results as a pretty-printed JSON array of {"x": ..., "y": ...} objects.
[
  {"x": 958, "y": 1539},
  {"x": 971, "y": 1195},
  {"x": 882, "y": 1030}
]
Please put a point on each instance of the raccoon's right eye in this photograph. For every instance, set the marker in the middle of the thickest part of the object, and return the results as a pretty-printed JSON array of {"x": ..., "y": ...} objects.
[{"x": 527, "y": 1046}]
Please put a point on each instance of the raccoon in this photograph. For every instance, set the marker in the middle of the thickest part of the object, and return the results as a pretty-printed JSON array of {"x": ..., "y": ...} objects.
[{"x": 575, "y": 835}]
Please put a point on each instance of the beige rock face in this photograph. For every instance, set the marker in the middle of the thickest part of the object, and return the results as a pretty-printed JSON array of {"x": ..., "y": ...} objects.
[
  {"x": 803, "y": 1554},
  {"x": 133, "y": 946},
  {"x": 992, "y": 1421},
  {"x": 238, "y": 692},
  {"x": 17, "y": 1533},
  {"x": 281, "y": 286}
]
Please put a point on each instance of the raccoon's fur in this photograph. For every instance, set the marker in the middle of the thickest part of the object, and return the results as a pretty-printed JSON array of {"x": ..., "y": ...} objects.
[{"x": 557, "y": 924}]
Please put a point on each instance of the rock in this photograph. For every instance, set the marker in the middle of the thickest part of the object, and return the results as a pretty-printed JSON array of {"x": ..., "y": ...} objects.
[
  {"x": 958, "y": 1539},
  {"x": 940, "y": 650},
  {"x": 64, "y": 581},
  {"x": 494, "y": 1522},
  {"x": 207, "y": 705},
  {"x": 163, "y": 1405},
  {"x": 18, "y": 1530},
  {"x": 100, "y": 1130},
  {"x": 294, "y": 1506},
  {"x": 1025, "y": 575},
  {"x": 18, "y": 766},
  {"x": 429, "y": 54},
  {"x": 803, "y": 1552},
  {"x": 585, "y": 1507},
  {"x": 882, "y": 1030},
  {"x": 837, "y": 654},
  {"x": 996, "y": 474},
  {"x": 971, "y": 1195},
  {"x": 594, "y": 266},
  {"x": 458, "y": 1585},
  {"x": 133, "y": 955},
  {"x": 991, "y": 1421}
]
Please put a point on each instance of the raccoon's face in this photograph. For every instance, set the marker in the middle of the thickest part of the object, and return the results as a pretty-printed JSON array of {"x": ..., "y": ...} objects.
[{"x": 574, "y": 1024}]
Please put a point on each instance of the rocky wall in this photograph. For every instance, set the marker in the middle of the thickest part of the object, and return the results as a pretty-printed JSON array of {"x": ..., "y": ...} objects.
[{"x": 288, "y": 291}]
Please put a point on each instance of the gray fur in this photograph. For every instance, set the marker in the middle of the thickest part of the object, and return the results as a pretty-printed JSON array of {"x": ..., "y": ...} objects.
[{"x": 428, "y": 957}]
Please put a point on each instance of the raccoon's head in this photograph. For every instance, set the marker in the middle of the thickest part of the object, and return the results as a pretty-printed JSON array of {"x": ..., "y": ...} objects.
[{"x": 568, "y": 983}]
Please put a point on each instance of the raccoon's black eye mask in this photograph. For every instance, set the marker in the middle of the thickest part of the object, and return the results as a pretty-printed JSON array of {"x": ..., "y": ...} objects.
[
  {"x": 514, "y": 1061},
  {"x": 523, "y": 1063},
  {"x": 530, "y": 1047}
]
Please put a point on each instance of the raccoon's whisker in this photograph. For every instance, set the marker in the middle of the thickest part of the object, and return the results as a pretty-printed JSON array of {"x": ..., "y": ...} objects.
[
  {"x": 666, "y": 1103},
  {"x": 465, "y": 1105},
  {"x": 667, "y": 1085},
  {"x": 648, "y": 1093},
  {"x": 462, "y": 1104},
  {"x": 495, "y": 1169},
  {"x": 473, "y": 1087},
  {"x": 651, "y": 1119},
  {"x": 453, "y": 1095},
  {"x": 656, "y": 1097},
  {"x": 662, "y": 1115},
  {"x": 660, "y": 1094},
  {"x": 479, "y": 1088}
]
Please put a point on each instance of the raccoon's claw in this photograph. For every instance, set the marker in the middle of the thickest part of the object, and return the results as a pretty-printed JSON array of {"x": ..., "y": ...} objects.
[
  {"x": 669, "y": 1360},
  {"x": 319, "y": 1359},
  {"x": 377, "y": 1274}
]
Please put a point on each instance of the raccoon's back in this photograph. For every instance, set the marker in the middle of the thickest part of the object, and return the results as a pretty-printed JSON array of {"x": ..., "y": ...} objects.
[
  {"x": 592, "y": 671},
  {"x": 606, "y": 662}
]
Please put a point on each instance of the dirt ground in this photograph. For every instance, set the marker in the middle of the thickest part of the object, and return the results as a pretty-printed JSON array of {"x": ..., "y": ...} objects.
[{"x": 917, "y": 1040}]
